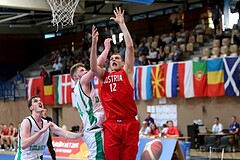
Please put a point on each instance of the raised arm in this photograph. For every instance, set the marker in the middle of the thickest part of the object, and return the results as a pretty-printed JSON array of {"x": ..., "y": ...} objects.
[
  {"x": 129, "y": 53},
  {"x": 95, "y": 68},
  {"x": 26, "y": 139},
  {"x": 100, "y": 60},
  {"x": 63, "y": 133}
]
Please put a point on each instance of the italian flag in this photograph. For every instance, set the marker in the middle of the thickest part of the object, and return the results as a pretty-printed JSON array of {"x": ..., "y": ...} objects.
[{"x": 62, "y": 89}]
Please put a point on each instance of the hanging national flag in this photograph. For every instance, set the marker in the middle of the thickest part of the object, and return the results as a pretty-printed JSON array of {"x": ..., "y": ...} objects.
[
  {"x": 35, "y": 87},
  {"x": 200, "y": 78},
  {"x": 158, "y": 81},
  {"x": 231, "y": 73},
  {"x": 62, "y": 89},
  {"x": 135, "y": 75},
  {"x": 170, "y": 79},
  {"x": 48, "y": 91},
  {"x": 185, "y": 79},
  {"x": 215, "y": 77},
  {"x": 74, "y": 102},
  {"x": 143, "y": 83}
]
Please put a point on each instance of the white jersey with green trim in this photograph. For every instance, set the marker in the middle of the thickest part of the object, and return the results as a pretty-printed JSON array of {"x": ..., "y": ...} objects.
[
  {"x": 34, "y": 151},
  {"x": 89, "y": 107}
]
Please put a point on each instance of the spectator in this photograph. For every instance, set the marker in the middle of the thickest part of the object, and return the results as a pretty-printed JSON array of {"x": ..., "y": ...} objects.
[
  {"x": 12, "y": 132},
  {"x": 137, "y": 62},
  {"x": 237, "y": 8},
  {"x": 143, "y": 60},
  {"x": 19, "y": 78},
  {"x": 164, "y": 129},
  {"x": 178, "y": 53},
  {"x": 216, "y": 17},
  {"x": 200, "y": 27},
  {"x": 142, "y": 49},
  {"x": 43, "y": 73},
  {"x": 149, "y": 119},
  {"x": 173, "y": 20},
  {"x": 144, "y": 129},
  {"x": 172, "y": 130},
  {"x": 154, "y": 132},
  {"x": 217, "y": 127},
  {"x": 57, "y": 66},
  {"x": 234, "y": 131},
  {"x": 5, "y": 137},
  {"x": 180, "y": 20}
]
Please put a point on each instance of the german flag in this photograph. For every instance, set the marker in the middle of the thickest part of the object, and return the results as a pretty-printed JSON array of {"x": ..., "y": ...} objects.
[{"x": 48, "y": 91}]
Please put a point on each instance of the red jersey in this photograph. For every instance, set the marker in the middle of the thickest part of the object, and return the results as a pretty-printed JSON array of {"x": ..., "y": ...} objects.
[
  {"x": 117, "y": 96},
  {"x": 4, "y": 132},
  {"x": 173, "y": 131}
]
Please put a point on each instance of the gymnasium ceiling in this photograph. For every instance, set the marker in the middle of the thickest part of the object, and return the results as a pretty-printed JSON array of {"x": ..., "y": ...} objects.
[{"x": 34, "y": 16}]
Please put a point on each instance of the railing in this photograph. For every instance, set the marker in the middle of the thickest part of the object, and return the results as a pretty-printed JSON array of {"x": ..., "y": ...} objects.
[{"x": 11, "y": 91}]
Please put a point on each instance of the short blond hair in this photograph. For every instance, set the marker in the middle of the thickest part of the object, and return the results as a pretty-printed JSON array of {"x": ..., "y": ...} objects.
[{"x": 75, "y": 67}]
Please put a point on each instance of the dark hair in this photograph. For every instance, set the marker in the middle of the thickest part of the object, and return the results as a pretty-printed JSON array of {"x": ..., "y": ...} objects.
[
  {"x": 122, "y": 56},
  {"x": 216, "y": 118},
  {"x": 30, "y": 100}
]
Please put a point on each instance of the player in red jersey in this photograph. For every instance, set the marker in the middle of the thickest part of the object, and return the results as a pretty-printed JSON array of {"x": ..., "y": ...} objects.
[{"x": 120, "y": 128}]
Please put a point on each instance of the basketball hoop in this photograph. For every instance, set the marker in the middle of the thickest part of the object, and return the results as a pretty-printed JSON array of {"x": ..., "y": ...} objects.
[{"x": 62, "y": 11}]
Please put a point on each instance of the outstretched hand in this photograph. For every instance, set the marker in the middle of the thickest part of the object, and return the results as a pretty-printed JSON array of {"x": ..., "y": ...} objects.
[
  {"x": 119, "y": 13},
  {"x": 94, "y": 34},
  {"x": 107, "y": 43}
]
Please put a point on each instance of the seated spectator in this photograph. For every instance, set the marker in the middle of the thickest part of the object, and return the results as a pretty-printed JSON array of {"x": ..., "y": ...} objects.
[
  {"x": 217, "y": 127},
  {"x": 164, "y": 129},
  {"x": 137, "y": 62},
  {"x": 13, "y": 132},
  {"x": 142, "y": 49},
  {"x": 234, "y": 131},
  {"x": 161, "y": 55},
  {"x": 19, "y": 78},
  {"x": 200, "y": 28},
  {"x": 154, "y": 132},
  {"x": 43, "y": 73},
  {"x": 143, "y": 60},
  {"x": 57, "y": 66},
  {"x": 172, "y": 130},
  {"x": 167, "y": 39},
  {"x": 5, "y": 137},
  {"x": 144, "y": 129},
  {"x": 178, "y": 53},
  {"x": 149, "y": 119}
]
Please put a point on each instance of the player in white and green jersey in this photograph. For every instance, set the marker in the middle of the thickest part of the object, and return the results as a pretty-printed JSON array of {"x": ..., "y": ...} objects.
[
  {"x": 35, "y": 150},
  {"x": 88, "y": 103},
  {"x": 34, "y": 132}
]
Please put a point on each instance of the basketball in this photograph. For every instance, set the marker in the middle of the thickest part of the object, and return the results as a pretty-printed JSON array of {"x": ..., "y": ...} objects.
[{"x": 152, "y": 150}]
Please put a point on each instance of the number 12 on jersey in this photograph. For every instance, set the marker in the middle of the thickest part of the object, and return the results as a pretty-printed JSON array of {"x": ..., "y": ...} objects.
[{"x": 113, "y": 87}]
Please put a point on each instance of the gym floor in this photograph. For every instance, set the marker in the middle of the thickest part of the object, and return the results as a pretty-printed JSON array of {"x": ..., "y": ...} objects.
[{"x": 195, "y": 155}]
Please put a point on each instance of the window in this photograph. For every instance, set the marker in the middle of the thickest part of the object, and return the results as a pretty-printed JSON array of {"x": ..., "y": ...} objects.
[
  {"x": 139, "y": 16},
  {"x": 49, "y": 35},
  {"x": 195, "y": 6},
  {"x": 154, "y": 14}
]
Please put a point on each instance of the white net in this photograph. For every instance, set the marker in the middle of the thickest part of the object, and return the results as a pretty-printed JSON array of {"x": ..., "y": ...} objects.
[{"x": 62, "y": 11}]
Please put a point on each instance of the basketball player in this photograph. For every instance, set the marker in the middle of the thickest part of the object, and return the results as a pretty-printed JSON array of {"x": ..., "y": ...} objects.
[
  {"x": 34, "y": 132},
  {"x": 120, "y": 128},
  {"x": 88, "y": 103}
]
